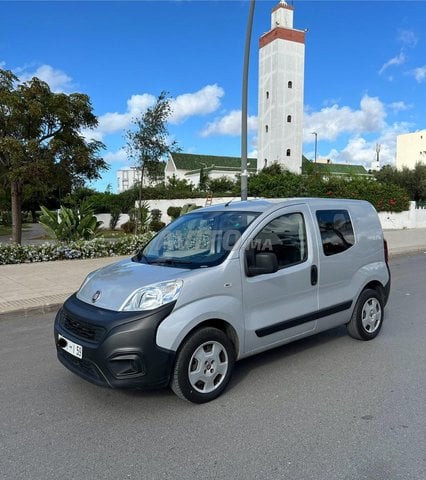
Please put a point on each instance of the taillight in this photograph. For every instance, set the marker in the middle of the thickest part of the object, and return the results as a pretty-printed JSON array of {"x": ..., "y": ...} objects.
[{"x": 385, "y": 246}]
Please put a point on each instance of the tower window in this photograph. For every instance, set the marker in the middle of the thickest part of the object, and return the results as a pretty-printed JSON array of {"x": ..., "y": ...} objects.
[
  {"x": 265, "y": 164},
  {"x": 266, "y": 128},
  {"x": 290, "y": 84},
  {"x": 267, "y": 95},
  {"x": 288, "y": 152},
  {"x": 288, "y": 118}
]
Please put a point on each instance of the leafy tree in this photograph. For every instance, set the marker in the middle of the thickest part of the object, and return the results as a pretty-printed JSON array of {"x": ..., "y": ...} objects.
[
  {"x": 413, "y": 181},
  {"x": 221, "y": 185},
  {"x": 204, "y": 180},
  {"x": 115, "y": 218},
  {"x": 39, "y": 130},
  {"x": 148, "y": 143}
]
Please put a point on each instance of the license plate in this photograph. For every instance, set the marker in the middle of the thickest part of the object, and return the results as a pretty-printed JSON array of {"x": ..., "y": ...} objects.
[{"x": 73, "y": 348}]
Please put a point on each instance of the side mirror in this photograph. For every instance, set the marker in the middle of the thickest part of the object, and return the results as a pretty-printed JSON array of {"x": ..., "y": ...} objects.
[{"x": 265, "y": 262}]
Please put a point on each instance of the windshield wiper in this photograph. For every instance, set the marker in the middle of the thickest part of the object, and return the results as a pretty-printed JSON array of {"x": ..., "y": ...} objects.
[{"x": 169, "y": 261}]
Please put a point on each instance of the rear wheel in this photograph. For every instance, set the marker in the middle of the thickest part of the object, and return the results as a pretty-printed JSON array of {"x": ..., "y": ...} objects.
[
  {"x": 203, "y": 366},
  {"x": 367, "y": 317}
]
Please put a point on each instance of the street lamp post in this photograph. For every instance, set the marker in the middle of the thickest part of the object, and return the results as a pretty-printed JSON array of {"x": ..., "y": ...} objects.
[
  {"x": 316, "y": 144},
  {"x": 244, "y": 173}
]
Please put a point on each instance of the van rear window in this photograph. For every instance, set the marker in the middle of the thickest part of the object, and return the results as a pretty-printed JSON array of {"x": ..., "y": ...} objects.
[{"x": 336, "y": 230}]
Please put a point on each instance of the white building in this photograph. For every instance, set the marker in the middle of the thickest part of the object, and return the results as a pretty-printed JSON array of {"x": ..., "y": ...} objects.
[
  {"x": 281, "y": 84},
  {"x": 187, "y": 166},
  {"x": 127, "y": 178},
  {"x": 410, "y": 149},
  {"x": 130, "y": 176}
]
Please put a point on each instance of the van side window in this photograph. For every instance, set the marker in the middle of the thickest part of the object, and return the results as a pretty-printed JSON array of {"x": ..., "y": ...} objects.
[
  {"x": 285, "y": 236},
  {"x": 337, "y": 234}
]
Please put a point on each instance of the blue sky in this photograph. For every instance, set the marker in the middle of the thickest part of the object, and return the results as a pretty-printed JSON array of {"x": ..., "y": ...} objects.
[{"x": 365, "y": 69}]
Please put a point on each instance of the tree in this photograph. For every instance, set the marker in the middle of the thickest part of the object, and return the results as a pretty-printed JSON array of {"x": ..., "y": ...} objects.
[
  {"x": 414, "y": 181},
  {"x": 40, "y": 131},
  {"x": 148, "y": 143}
]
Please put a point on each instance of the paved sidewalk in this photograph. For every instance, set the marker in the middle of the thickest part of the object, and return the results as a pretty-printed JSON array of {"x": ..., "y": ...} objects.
[
  {"x": 28, "y": 288},
  {"x": 31, "y": 288}
]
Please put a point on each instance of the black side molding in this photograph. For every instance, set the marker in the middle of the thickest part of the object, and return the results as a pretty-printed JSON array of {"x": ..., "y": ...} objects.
[{"x": 294, "y": 322}]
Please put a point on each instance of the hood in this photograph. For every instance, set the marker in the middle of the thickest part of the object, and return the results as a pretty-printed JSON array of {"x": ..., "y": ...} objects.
[{"x": 110, "y": 286}]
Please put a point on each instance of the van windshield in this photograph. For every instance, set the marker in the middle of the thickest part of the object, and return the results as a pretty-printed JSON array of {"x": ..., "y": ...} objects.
[{"x": 197, "y": 240}]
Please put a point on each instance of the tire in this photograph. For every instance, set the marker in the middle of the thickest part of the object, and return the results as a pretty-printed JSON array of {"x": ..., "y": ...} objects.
[
  {"x": 203, "y": 366},
  {"x": 367, "y": 317}
]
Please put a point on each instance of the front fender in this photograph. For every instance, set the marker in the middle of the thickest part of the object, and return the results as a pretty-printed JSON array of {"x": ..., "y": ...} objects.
[{"x": 181, "y": 321}]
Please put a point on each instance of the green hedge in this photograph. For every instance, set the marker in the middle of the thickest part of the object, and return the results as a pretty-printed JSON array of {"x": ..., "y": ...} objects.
[
  {"x": 274, "y": 183},
  {"x": 98, "y": 247}
]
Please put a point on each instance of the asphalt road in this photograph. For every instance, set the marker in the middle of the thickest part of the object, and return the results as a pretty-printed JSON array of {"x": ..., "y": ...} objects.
[{"x": 328, "y": 407}]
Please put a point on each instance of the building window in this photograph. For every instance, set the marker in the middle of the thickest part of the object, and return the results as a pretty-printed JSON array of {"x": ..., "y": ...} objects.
[
  {"x": 288, "y": 118},
  {"x": 288, "y": 152},
  {"x": 266, "y": 129},
  {"x": 290, "y": 84},
  {"x": 265, "y": 163},
  {"x": 267, "y": 95}
]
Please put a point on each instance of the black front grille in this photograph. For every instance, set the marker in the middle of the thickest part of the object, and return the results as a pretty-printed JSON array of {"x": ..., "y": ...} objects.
[
  {"x": 84, "y": 368},
  {"x": 80, "y": 329}
]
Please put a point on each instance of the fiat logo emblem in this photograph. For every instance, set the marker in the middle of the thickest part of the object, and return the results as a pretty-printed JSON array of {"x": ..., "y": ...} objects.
[{"x": 96, "y": 296}]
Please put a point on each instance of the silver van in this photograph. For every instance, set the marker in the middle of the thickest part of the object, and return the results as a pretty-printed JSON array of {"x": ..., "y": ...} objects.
[{"x": 223, "y": 283}]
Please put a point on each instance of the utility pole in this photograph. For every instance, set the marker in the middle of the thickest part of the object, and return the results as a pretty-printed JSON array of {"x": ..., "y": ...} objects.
[
  {"x": 244, "y": 173},
  {"x": 316, "y": 144}
]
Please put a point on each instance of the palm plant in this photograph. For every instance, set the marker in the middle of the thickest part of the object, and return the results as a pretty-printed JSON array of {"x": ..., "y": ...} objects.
[{"x": 71, "y": 225}]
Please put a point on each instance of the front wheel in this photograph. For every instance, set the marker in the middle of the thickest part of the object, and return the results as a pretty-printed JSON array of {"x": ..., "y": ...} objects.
[
  {"x": 203, "y": 366},
  {"x": 367, "y": 317}
]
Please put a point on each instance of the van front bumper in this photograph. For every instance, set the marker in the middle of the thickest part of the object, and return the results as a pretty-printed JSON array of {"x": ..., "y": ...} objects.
[{"x": 118, "y": 348}]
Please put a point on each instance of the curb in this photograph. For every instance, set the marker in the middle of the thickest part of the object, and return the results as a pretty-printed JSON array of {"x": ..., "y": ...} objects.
[
  {"x": 30, "y": 311},
  {"x": 33, "y": 306},
  {"x": 48, "y": 304}
]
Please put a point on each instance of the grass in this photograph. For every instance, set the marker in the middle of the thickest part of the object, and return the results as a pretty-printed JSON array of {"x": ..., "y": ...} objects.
[{"x": 4, "y": 230}]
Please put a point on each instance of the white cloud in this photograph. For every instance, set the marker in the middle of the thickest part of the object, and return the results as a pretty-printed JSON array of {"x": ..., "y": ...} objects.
[
  {"x": 120, "y": 156},
  {"x": 360, "y": 151},
  {"x": 206, "y": 100},
  {"x": 395, "y": 61},
  {"x": 202, "y": 102},
  {"x": 420, "y": 74},
  {"x": 333, "y": 121},
  {"x": 137, "y": 104},
  {"x": 399, "y": 106},
  {"x": 229, "y": 125},
  {"x": 408, "y": 38},
  {"x": 57, "y": 80}
]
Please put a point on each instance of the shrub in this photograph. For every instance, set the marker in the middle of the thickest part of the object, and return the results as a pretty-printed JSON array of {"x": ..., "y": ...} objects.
[
  {"x": 188, "y": 207},
  {"x": 156, "y": 225},
  {"x": 98, "y": 247},
  {"x": 6, "y": 218},
  {"x": 129, "y": 226},
  {"x": 174, "y": 212},
  {"x": 69, "y": 224},
  {"x": 155, "y": 215}
]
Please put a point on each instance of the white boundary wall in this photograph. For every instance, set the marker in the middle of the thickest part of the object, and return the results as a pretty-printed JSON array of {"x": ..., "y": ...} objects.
[{"x": 413, "y": 218}]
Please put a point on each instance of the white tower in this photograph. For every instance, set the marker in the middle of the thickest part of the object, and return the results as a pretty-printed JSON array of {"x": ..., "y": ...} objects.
[{"x": 281, "y": 81}]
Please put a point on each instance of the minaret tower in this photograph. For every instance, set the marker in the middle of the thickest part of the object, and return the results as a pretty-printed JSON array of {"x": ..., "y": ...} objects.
[{"x": 281, "y": 81}]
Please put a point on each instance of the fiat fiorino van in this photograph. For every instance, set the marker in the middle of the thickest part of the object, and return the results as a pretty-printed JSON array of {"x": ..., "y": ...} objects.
[{"x": 222, "y": 283}]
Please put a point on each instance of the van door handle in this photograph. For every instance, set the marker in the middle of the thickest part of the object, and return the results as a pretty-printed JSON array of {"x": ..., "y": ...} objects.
[{"x": 314, "y": 275}]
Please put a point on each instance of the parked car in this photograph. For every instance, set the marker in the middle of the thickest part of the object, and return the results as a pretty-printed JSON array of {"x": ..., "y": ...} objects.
[{"x": 222, "y": 283}]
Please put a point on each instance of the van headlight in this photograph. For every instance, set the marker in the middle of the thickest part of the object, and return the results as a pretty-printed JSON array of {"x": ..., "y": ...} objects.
[{"x": 153, "y": 296}]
